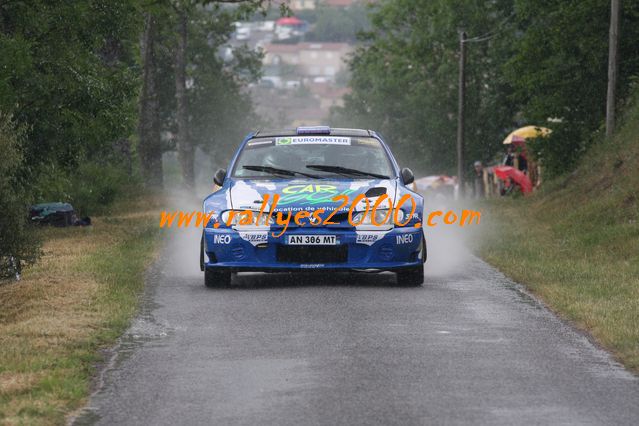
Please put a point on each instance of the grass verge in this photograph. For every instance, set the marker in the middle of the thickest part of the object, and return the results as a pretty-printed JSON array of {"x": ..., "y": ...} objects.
[
  {"x": 78, "y": 298},
  {"x": 576, "y": 244}
]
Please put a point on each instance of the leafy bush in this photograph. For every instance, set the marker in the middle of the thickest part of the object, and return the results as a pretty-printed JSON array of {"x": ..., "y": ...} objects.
[
  {"x": 565, "y": 148},
  {"x": 17, "y": 239},
  {"x": 91, "y": 188},
  {"x": 560, "y": 152},
  {"x": 51, "y": 183},
  {"x": 95, "y": 187}
]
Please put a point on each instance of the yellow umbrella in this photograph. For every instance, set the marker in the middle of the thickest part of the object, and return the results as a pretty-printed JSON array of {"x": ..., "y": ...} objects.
[{"x": 529, "y": 132}]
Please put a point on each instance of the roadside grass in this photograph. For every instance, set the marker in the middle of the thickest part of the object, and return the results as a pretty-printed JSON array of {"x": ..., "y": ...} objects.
[
  {"x": 77, "y": 299},
  {"x": 576, "y": 244}
]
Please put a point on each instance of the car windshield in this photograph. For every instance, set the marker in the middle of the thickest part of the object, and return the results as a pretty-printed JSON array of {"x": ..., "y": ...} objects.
[{"x": 314, "y": 156}]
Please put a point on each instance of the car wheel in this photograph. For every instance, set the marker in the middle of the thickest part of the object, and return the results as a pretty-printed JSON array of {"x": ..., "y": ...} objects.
[
  {"x": 217, "y": 278},
  {"x": 411, "y": 277},
  {"x": 424, "y": 252},
  {"x": 202, "y": 253}
]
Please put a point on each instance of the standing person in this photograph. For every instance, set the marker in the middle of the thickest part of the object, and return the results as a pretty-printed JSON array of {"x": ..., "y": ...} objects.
[
  {"x": 522, "y": 164},
  {"x": 478, "y": 188},
  {"x": 509, "y": 158}
]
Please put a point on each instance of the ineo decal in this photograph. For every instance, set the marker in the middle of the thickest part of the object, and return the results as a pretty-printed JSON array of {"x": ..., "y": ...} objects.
[
  {"x": 221, "y": 239},
  {"x": 405, "y": 239}
]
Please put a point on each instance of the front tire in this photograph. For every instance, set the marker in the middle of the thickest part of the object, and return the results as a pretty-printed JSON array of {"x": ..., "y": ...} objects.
[
  {"x": 411, "y": 277},
  {"x": 202, "y": 254},
  {"x": 217, "y": 278}
]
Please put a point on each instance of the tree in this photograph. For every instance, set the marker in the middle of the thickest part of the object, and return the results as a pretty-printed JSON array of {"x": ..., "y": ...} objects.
[
  {"x": 200, "y": 99},
  {"x": 150, "y": 147},
  {"x": 339, "y": 24},
  {"x": 528, "y": 62},
  {"x": 74, "y": 85},
  {"x": 70, "y": 75},
  {"x": 220, "y": 109},
  {"x": 183, "y": 13},
  {"x": 184, "y": 144},
  {"x": 559, "y": 70},
  {"x": 404, "y": 80},
  {"x": 18, "y": 244}
]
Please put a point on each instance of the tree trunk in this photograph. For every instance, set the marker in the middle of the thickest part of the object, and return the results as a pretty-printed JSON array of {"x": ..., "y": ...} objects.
[
  {"x": 185, "y": 149},
  {"x": 150, "y": 146}
]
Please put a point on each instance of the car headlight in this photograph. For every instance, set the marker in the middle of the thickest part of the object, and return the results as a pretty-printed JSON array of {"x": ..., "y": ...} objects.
[
  {"x": 263, "y": 220},
  {"x": 241, "y": 215},
  {"x": 224, "y": 217},
  {"x": 382, "y": 217}
]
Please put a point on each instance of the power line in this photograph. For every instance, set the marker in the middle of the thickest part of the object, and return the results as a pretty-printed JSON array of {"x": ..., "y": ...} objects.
[{"x": 492, "y": 34}]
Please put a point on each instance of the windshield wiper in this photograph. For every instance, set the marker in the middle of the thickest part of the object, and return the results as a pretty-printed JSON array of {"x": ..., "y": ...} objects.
[
  {"x": 344, "y": 171},
  {"x": 282, "y": 172}
]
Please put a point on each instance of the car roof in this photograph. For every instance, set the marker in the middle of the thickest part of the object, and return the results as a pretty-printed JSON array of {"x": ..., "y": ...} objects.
[{"x": 293, "y": 132}]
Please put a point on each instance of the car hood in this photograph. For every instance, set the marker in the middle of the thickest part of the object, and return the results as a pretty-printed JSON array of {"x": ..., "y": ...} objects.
[{"x": 305, "y": 194}]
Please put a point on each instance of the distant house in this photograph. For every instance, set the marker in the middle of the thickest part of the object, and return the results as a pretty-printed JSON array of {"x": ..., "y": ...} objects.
[
  {"x": 302, "y": 4},
  {"x": 281, "y": 54},
  {"x": 323, "y": 59},
  {"x": 290, "y": 26},
  {"x": 310, "y": 59}
]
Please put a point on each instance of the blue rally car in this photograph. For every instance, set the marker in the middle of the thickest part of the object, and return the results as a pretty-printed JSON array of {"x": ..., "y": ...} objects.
[{"x": 314, "y": 198}]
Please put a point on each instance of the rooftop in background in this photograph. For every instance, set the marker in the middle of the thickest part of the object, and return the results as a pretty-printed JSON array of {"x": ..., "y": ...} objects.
[
  {"x": 289, "y": 20},
  {"x": 310, "y": 59}
]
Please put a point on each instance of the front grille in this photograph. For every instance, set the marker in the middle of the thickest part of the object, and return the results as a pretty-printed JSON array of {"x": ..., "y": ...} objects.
[{"x": 312, "y": 254}]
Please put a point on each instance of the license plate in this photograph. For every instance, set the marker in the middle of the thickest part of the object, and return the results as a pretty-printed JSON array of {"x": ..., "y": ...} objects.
[{"x": 313, "y": 240}]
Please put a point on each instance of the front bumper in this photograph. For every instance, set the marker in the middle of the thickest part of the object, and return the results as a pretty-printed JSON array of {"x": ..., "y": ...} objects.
[{"x": 376, "y": 250}]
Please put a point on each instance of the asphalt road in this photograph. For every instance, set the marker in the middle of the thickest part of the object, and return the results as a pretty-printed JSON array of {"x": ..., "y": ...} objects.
[{"x": 469, "y": 347}]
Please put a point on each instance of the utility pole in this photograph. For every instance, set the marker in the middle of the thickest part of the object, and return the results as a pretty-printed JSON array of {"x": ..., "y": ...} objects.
[
  {"x": 612, "y": 67},
  {"x": 460, "y": 113}
]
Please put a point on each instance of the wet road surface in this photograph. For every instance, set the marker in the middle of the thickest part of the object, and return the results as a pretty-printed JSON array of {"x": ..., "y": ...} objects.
[{"x": 469, "y": 347}]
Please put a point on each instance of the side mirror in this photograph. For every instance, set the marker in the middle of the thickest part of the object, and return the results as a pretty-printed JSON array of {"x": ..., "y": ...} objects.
[
  {"x": 219, "y": 177},
  {"x": 407, "y": 176}
]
